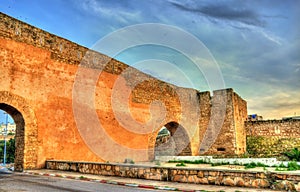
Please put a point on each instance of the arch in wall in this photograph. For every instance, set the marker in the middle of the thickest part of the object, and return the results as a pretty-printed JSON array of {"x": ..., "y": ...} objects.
[
  {"x": 26, "y": 130},
  {"x": 176, "y": 144}
]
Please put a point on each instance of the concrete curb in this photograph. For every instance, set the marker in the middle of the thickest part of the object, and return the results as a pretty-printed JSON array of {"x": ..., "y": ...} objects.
[{"x": 83, "y": 178}]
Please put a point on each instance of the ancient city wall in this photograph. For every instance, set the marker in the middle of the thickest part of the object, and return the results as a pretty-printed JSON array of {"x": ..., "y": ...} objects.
[
  {"x": 81, "y": 105},
  {"x": 272, "y": 137}
]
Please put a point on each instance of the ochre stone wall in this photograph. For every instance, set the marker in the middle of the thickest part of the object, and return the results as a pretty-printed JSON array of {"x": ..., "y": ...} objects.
[
  {"x": 272, "y": 137},
  {"x": 59, "y": 87}
]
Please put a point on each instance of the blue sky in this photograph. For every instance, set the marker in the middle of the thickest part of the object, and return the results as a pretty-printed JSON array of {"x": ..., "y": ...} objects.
[{"x": 256, "y": 44}]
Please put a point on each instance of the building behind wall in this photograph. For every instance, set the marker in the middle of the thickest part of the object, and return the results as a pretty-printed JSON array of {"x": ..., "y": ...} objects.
[{"x": 11, "y": 128}]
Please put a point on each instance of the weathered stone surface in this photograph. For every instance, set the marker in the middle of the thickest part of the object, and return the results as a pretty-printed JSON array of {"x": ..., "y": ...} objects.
[
  {"x": 200, "y": 174},
  {"x": 290, "y": 186},
  {"x": 297, "y": 186},
  {"x": 211, "y": 180},
  {"x": 228, "y": 181},
  {"x": 213, "y": 173},
  {"x": 264, "y": 183},
  {"x": 192, "y": 179},
  {"x": 255, "y": 183},
  {"x": 177, "y": 178},
  {"x": 285, "y": 185},
  {"x": 203, "y": 180},
  {"x": 272, "y": 137},
  {"x": 239, "y": 182}
]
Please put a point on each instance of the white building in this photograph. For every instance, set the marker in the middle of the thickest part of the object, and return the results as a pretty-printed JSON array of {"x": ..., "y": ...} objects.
[{"x": 11, "y": 128}]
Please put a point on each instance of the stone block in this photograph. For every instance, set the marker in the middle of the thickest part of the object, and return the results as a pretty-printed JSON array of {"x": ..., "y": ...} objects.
[
  {"x": 200, "y": 174},
  {"x": 211, "y": 180},
  {"x": 255, "y": 183},
  {"x": 203, "y": 180},
  {"x": 228, "y": 181},
  {"x": 213, "y": 173},
  {"x": 264, "y": 183},
  {"x": 239, "y": 182},
  {"x": 177, "y": 178}
]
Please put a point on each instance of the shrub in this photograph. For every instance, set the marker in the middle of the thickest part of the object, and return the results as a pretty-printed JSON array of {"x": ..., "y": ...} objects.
[
  {"x": 293, "y": 166},
  {"x": 293, "y": 155}
]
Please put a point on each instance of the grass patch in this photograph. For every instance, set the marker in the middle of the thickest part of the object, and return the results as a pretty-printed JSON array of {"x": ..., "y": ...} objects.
[
  {"x": 292, "y": 166},
  {"x": 253, "y": 165},
  {"x": 180, "y": 164}
]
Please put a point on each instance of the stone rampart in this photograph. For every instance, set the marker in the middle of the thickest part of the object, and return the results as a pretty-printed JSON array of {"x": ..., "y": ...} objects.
[{"x": 71, "y": 101}]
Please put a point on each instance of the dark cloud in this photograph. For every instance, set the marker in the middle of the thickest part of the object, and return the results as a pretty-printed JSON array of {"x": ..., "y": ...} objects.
[{"x": 224, "y": 11}]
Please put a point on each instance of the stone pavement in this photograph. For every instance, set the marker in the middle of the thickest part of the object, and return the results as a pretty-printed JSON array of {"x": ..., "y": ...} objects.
[{"x": 141, "y": 183}]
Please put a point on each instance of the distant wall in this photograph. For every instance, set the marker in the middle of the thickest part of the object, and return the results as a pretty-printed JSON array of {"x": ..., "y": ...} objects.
[{"x": 272, "y": 137}]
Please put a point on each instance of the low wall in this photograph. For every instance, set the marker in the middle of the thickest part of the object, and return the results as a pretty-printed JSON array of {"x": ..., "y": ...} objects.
[
  {"x": 256, "y": 179},
  {"x": 272, "y": 137}
]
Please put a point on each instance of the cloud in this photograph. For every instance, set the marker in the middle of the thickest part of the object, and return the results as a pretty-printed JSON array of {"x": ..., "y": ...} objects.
[
  {"x": 115, "y": 11},
  {"x": 223, "y": 11},
  {"x": 276, "y": 104}
]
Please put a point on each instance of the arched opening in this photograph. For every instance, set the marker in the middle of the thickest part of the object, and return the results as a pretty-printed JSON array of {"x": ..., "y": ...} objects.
[
  {"x": 26, "y": 137},
  {"x": 7, "y": 139},
  {"x": 172, "y": 140},
  {"x": 18, "y": 135}
]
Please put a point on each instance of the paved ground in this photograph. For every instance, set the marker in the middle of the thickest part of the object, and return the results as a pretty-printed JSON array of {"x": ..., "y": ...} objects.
[
  {"x": 135, "y": 183},
  {"x": 21, "y": 182}
]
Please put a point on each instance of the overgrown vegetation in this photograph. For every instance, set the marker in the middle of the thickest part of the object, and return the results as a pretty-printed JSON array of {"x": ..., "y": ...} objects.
[
  {"x": 10, "y": 151},
  {"x": 291, "y": 166},
  {"x": 253, "y": 165},
  {"x": 293, "y": 155}
]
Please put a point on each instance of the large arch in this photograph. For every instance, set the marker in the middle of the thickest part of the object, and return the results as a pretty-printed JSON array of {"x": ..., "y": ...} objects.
[
  {"x": 177, "y": 144},
  {"x": 26, "y": 130}
]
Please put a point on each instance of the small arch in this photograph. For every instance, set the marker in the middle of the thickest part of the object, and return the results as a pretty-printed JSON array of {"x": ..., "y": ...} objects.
[
  {"x": 19, "y": 135},
  {"x": 177, "y": 143},
  {"x": 26, "y": 130}
]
